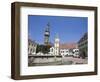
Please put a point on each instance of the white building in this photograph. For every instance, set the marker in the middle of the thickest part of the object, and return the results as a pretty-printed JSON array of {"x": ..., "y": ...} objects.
[
  {"x": 76, "y": 52},
  {"x": 64, "y": 49},
  {"x": 52, "y": 51},
  {"x": 70, "y": 49},
  {"x": 64, "y": 52},
  {"x": 31, "y": 47},
  {"x": 55, "y": 50}
]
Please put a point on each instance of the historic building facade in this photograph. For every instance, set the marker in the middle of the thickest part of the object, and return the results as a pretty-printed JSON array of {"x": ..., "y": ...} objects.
[
  {"x": 76, "y": 52},
  {"x": 69, "y": 49},
  {"x": 32, "y": 45},
  {"x": 64, "y": 52},
  {"x": 55, "y": 50},
  {"x": 83, "y": 45}
]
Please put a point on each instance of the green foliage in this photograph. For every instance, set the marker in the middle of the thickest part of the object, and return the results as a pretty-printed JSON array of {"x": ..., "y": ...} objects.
[{"x": 43, "y": 48}]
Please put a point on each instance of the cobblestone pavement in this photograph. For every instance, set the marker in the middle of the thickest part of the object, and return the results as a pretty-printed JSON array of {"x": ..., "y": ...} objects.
[
  {"x": 62, "y": 61},
  {"x": 76, "y": 60}
]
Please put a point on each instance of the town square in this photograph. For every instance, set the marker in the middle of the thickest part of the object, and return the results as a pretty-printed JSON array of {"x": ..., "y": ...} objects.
[{"x": 55, "y": 51}]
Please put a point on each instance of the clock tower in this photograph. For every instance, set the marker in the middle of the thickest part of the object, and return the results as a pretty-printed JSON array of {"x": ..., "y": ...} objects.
[{"x": 47, "y": 34}]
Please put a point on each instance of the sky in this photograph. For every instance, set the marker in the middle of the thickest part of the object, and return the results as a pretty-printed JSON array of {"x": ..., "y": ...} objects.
[{"x": 69, "y": 29}]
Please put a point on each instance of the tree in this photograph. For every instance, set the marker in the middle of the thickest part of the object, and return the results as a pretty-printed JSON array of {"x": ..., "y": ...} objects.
[{"x": 43, "y": 48}]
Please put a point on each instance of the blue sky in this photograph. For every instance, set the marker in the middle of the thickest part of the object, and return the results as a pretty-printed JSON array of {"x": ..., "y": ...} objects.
[{"x": 69, "y": 29}]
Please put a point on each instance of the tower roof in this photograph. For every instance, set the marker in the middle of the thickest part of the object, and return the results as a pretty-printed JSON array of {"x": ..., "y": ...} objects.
[{"x": 48, "y": 27}]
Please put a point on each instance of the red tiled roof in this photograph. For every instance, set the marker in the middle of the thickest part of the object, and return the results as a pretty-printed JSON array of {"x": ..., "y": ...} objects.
[{"x": 68, "y": 46}]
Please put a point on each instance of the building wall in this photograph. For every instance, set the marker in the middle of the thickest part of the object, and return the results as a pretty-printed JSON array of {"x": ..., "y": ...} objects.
[
  {"x": 83, "y": 45},
  {"x": 31, "y": 47},
  {"x": 52, "y": 51},
  {"x": 64, "y": 52},
  {"x": 76, "y": 52}
]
